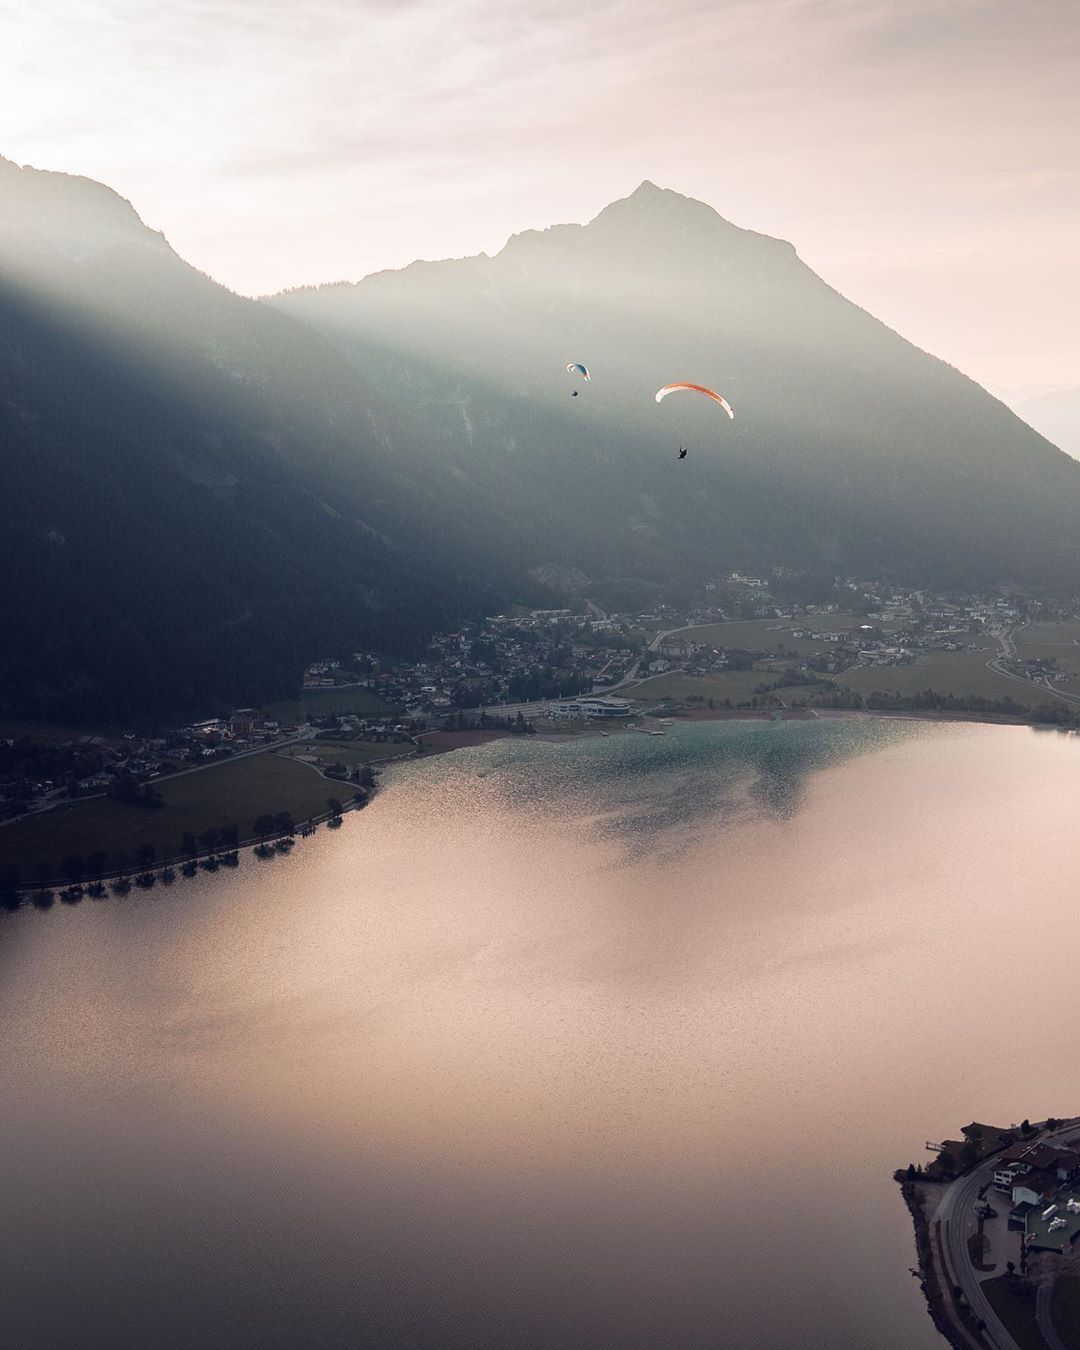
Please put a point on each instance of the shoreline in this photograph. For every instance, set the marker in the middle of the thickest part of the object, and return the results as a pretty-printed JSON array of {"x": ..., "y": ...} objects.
[
  {"x": 816, "y": 714},
  {"x": 974, "y": 1294},
  {"x": 433, "y": 744},
  {"x": 937, "y": 1305}
]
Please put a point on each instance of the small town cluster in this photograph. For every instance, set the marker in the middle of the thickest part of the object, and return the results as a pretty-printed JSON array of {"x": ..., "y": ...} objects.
[
  {"x": 566, "y": 663},
  {"x": 551, "y": 654}
]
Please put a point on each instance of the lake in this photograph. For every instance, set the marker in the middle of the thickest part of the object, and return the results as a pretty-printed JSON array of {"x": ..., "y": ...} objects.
[{"x": 613, "y": 1043}]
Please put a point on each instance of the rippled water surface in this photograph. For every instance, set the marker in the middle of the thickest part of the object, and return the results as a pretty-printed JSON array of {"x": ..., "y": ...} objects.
[{"x": 613, "y": 1044}]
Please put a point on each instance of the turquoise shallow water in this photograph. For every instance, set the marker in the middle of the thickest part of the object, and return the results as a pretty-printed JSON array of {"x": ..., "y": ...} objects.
[
  {"x": 712, "y": 772},
  {"x": 614, "y": 1043}
]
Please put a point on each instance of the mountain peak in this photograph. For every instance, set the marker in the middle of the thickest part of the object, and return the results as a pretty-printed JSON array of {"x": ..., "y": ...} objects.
[
  {"x": 649, "y": 204},
  {"x": 656, "y": 218}
]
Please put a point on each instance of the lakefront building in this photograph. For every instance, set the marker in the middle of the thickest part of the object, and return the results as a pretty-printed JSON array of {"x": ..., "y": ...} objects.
[
  {"x": 1040, "y": 1179},
  {"x": 580, "y": 709},
  {"x": 603, "y": 707}
]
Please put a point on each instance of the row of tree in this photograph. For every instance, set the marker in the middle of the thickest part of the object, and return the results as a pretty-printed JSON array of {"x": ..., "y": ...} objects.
[
  {"x": 77, "y": 868},
  {"x": 459, "y": 721},
  {"x": 223, "y": 840},
  {"x": 930, "y": 700}
]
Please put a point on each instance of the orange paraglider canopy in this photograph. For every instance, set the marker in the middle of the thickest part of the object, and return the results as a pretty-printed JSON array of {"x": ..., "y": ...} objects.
[{"x": 661, "y": 394}]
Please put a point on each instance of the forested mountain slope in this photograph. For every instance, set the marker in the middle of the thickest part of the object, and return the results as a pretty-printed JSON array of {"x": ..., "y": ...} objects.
[
  {"x": 851, "y": 450},
  {"x": 200, "y": 494}
]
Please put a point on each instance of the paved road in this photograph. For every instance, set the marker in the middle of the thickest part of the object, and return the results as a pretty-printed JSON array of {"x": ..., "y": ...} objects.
[
  {"x": 654, "y": 645},
  {"x": 302, "y": 735},
  {"x": 1008, "y": 652},
  {"x": 632, "y": 676},
  {"x": 956, "y": 1214},
  {"x": 629, "y": 678}
]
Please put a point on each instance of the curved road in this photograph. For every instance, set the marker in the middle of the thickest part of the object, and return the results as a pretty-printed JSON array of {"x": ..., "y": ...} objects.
[
  {"x": 956, "y": 1215},
  {"x": 1008, "y": 650},
  {"x": 631, "y": 676}
]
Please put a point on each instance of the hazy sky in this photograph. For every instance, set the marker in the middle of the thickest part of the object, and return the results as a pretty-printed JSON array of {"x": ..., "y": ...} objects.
[{"x": 923, "y": 155}]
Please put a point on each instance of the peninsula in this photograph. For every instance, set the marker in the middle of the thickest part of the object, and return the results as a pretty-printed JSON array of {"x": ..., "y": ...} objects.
[{"x": 997, "y": 1217}]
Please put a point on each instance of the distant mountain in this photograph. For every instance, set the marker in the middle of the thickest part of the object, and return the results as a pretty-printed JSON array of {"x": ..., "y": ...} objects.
[
  {"x": 203, "y": 492},
  {"x": 1056, "y": 415},
  {"x": 852, "y": 450},
  {"x": 200, "y": 494}
]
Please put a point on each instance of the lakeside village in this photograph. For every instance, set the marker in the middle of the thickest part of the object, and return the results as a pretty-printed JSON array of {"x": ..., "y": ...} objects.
[
  {"x": 509, "y": 670},
  {"x": 997, "y": 1218},
  {"x": 524, "y": 671}
]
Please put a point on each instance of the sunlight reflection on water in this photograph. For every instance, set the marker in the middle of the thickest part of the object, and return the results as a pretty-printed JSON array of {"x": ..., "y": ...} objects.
[{"x": 551, "y": 1045}]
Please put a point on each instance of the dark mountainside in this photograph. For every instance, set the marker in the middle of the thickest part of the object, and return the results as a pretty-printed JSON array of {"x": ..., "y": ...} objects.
[
  {"x": 852, "y": 450},
  {"x": 200, "y": 494},
  {"x": 204, "y": 492}
]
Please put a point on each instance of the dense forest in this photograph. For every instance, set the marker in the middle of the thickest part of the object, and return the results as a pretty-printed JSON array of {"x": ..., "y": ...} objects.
[{"x": 199, "y": 495}]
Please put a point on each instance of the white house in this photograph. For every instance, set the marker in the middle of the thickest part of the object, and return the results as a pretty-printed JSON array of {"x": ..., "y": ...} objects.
[{"x": 1034, "y": 1188}]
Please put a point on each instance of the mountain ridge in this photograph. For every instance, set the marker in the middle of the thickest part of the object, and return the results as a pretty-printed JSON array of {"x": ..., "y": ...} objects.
[
  {"x": 69, "y": 209},
  {"x": 829, "y": 400},
  {"x": 202, "y": 494},
  {"x": 206, "y": 491},
  {"x": 643, "y": 195}
]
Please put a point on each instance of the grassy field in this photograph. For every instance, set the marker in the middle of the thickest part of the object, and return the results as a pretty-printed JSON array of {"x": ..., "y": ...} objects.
[
  {"x": 1061, "y": 641},
  {"x": 1065, "y": 1310},
  {"x": 353, "y": 753},
  {"x": 945, "y": 672},
  {"x": 1015, "y": 1311},
  {"x": 737, "y": 685},
  {"x": 319, "y": 702},
  {"x": 957, "y": 673},
  {"x": 1065, "y": 634},
  {"x": 231, "y": 793},
  {"x": 768, "y": 634}
]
